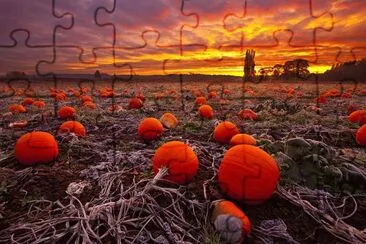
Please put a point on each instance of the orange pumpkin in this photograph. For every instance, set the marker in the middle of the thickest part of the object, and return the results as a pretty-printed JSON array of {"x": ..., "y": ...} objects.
[
  {"x": 36, "y": 147},
  {"x": 361, "y": 135},
  {"x": 228, "y": 207},
  {"x": 358, "y": 116},
  {"x": 249, "y": 174},
  {"x": 247, "y": 114},
  {"x": 39, "y": 104},
  {"x": 89, "y": 104},
  {"x": 179, "y": 158},
  {"x": 86, "y": 98},
  {"x": 135, "y": 103},
  {"x": 150, "y": 129},
  {"x": 27, "y": 101},
  {"x": 206, "y": 111},
  {"x": 72, "y": 127},
  {"x": 211, "y": 94},
  {"x": 116, "y": 108},
  {"x": 66, "y": 112},
  {"x": 225, "y": 131},
  {"x": 201, "y": 101},
  {"x": 242, "y": 139},
  {"x": 17, "y": 108},
  {"x": 169, "y": 120}
]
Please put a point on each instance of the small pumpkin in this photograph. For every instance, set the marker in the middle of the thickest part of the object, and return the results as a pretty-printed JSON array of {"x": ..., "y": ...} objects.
[
  {"x": 206, "y": 112},
  {"x": 27, "y": 101},
  {"x": 225, "y": 131},
  {"x": 242, "y": 139},
  {"x": 361, "y": 135},
  {"x": 249, "y": 174},
  {"x": 39, "y": 104},
  {"x": 66, "y": 112},
  {"x": 73, "y": 127},
  {"x": 211, "y": 94},
  {"x": 247, "y": 114},
  {"x": 115, "y": 108},
  {"x": 358, "y": 116},
  {"x": 17, "y": 108},
  {"x": 135, "y": 103},
  {"x": 89, "y": 104},
  {"x": 36, "y": 147},
  {"x": 229, "y": 208},
  {"x": 200, "y": 101},
  {"x": 179, "y": 158},
  {"x": 169, "y": 120},
  {"x": 86, "y": 98},
  {"x": 150, "y": 129}
]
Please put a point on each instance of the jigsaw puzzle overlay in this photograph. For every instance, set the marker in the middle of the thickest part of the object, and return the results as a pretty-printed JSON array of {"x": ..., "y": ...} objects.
[{"x": 90, "y": 73}]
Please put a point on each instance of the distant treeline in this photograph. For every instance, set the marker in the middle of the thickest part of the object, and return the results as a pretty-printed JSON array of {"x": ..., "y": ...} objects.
[{"x": 352, "y": 71}]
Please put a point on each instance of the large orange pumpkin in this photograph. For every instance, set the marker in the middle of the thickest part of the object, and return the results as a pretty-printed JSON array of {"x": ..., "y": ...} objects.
[
  {"x": 89, "y": 104},
  {"x": 358, "y": 116},
  {"x": 66, "y": 112},
  {"x": 169, "y": 120},
  {"x": 228, "y": 207},
  {"x": 248, "y": 173},
  {"x": 225, "y": 131},
  {"x": 242, "y": 139},
  {"x": 206, "y": 111},
  {"x": 179, "y": 158},
  {"x": 150, "y": 129},
  {"x": 86, "y": 98},
  {"x": 135, "y": 103},
  {"x": 73, "y": 127},
  {"x": 36, "y": 147},
  {"x": 361, "y": 135}
]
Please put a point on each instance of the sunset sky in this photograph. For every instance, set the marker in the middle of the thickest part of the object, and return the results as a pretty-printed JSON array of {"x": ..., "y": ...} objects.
[{"x": 156, "y": 37}]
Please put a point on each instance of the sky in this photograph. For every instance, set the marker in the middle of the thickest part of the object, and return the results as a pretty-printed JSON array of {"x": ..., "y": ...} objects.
[{"x": 177, "y": 36}]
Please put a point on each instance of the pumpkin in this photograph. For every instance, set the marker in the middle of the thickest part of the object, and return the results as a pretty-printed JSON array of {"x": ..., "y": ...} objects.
[
  {"x": 27, "y": 101},
  {"x": 36, "y": 147},
  {"x": 225, "y": 131},
  {"x": 247, "y": 114},
  {"x": 358, "y": 116},
  {"x": 17, "y": 108},
  {"x": 89, "y": 104},
  {"x": 211, "y": 94},
  {"x": 249, "y": 174},
  {"x": 150, "y": 129},
  {"x": 361, "y": 135},
  {"x": 206, "y": 111},
  {"x": 229, "y": 208},
  {"x": 179, "y": 158},
  {"x": 86, "y": 98},
  {"x": 135, "y": 103},
  {"x": 200, "y": 101},
  {"x": 242, "y": 139},
  {"x": 141, "y": 97},
  {"x": 73, "y": 127},
  {"x": 66, "y": 112},
  {"x": 39, "y": 104},
  {"x": 115, "y": 108},
  {"x": 169, "y": 120}
]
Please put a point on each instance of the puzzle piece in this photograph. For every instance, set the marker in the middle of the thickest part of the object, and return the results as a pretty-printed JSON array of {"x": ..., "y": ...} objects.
[{"x": 36, "y": 18}]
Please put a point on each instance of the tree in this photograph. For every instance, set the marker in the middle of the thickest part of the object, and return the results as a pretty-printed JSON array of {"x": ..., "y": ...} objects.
[
  {"x": 249, "y": 65},
  {"x": 296, "y": 68},
  {"x": 97, "y": 75}
]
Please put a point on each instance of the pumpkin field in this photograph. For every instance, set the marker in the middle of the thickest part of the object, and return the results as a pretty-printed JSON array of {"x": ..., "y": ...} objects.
[{"x": 182, "y": 159}]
